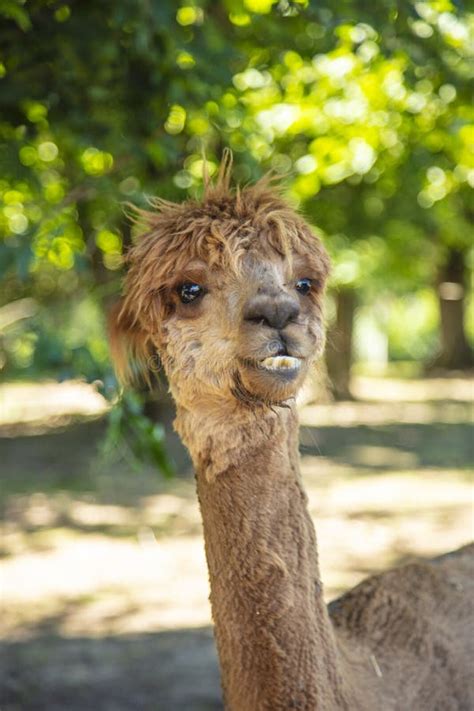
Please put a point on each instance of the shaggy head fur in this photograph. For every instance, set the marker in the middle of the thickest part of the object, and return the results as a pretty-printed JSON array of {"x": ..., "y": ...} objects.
[{"x": 246, "y": 249}]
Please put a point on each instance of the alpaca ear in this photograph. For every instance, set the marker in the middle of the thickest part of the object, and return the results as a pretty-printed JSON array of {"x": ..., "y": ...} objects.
[{"x": 130, "y": 345}]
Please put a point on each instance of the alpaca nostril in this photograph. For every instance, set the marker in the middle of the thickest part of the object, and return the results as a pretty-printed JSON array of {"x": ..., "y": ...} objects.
[{"x": 264, "y": 310}]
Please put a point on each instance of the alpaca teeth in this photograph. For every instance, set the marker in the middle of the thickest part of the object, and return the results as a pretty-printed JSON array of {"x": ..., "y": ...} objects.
[{"x": 280, "y": 363}]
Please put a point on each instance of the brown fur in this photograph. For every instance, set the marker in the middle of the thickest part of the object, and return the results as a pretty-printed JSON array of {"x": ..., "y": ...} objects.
[{"x": 398, "y": 641}]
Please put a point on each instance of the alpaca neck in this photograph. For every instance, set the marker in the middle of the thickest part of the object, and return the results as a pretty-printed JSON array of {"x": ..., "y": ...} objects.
[{"x": 275, "y": 641}]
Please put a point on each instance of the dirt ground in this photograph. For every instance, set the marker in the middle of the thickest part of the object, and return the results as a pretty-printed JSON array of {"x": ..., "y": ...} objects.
[{"x": 104, "y": 584}]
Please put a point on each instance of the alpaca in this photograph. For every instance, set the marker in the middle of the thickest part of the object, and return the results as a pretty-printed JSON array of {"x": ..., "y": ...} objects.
[{"x": 228, "y": 291}]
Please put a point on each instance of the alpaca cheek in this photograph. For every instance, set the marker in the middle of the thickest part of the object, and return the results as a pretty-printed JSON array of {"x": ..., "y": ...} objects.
[
  {"x": 216, "y": 361},
  {"x": 199, "y": 364},
  {"x": 180, "y": 349}
]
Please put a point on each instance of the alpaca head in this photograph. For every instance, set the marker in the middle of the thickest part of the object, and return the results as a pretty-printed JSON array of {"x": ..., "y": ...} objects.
[{"x": 228, "y": 291}]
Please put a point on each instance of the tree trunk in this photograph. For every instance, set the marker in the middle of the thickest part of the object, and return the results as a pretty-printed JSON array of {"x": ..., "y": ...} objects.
[
  {"x": 339, "y": 345},
  {"x": 456, "y": 353}
]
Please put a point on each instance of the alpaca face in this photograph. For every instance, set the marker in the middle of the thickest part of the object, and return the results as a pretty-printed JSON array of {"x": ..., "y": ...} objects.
[
  {"x": 249, "y": 334},
  {"x": 229, "y": 292}
]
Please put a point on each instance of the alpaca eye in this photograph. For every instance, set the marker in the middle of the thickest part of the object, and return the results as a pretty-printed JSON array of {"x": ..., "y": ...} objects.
[
  {"x": 303, "y": 286},
  {"x": 189, "y": 292}
]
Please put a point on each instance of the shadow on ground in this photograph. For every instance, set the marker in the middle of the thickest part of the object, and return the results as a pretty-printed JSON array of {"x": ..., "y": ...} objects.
[
  {"x": 69, "y": 458},
  {"x": 163, "y": 671},
  {"x": 385, "y": 447}
]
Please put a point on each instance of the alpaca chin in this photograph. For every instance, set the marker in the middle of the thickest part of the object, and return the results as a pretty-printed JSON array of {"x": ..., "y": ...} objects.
[{"x": 271, "y": 385}]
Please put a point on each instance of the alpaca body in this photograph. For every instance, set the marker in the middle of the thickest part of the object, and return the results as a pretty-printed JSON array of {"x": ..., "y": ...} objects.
[
  {"x": 229, "y": 292},
  {"x": 414, "y": 627}
]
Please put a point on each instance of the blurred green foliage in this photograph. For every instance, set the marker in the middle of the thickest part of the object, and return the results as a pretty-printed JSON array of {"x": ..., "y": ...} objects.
[
  {"x": 363, "y": 108},
  {"x": 133, "y": 436}
]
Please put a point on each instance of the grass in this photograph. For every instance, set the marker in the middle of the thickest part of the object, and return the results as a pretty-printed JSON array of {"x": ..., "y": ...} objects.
[{"x": 104, "y": 594}]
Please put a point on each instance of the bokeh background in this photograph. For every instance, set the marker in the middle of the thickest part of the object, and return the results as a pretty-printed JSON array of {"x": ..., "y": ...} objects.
[{"x": 365, "y": 111}]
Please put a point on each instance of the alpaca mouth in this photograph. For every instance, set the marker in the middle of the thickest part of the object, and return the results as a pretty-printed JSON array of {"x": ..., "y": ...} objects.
[
  {"x": 278, "y": 367},
  {"x": 281, "y": 364}
]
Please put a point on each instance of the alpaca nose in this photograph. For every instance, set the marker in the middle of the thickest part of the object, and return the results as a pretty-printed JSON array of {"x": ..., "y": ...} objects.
[{"x": 271, "y": 310}]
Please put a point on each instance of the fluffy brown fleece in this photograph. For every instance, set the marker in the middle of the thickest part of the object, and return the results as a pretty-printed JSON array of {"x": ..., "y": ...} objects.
[{"x": 400, "y": 641}]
